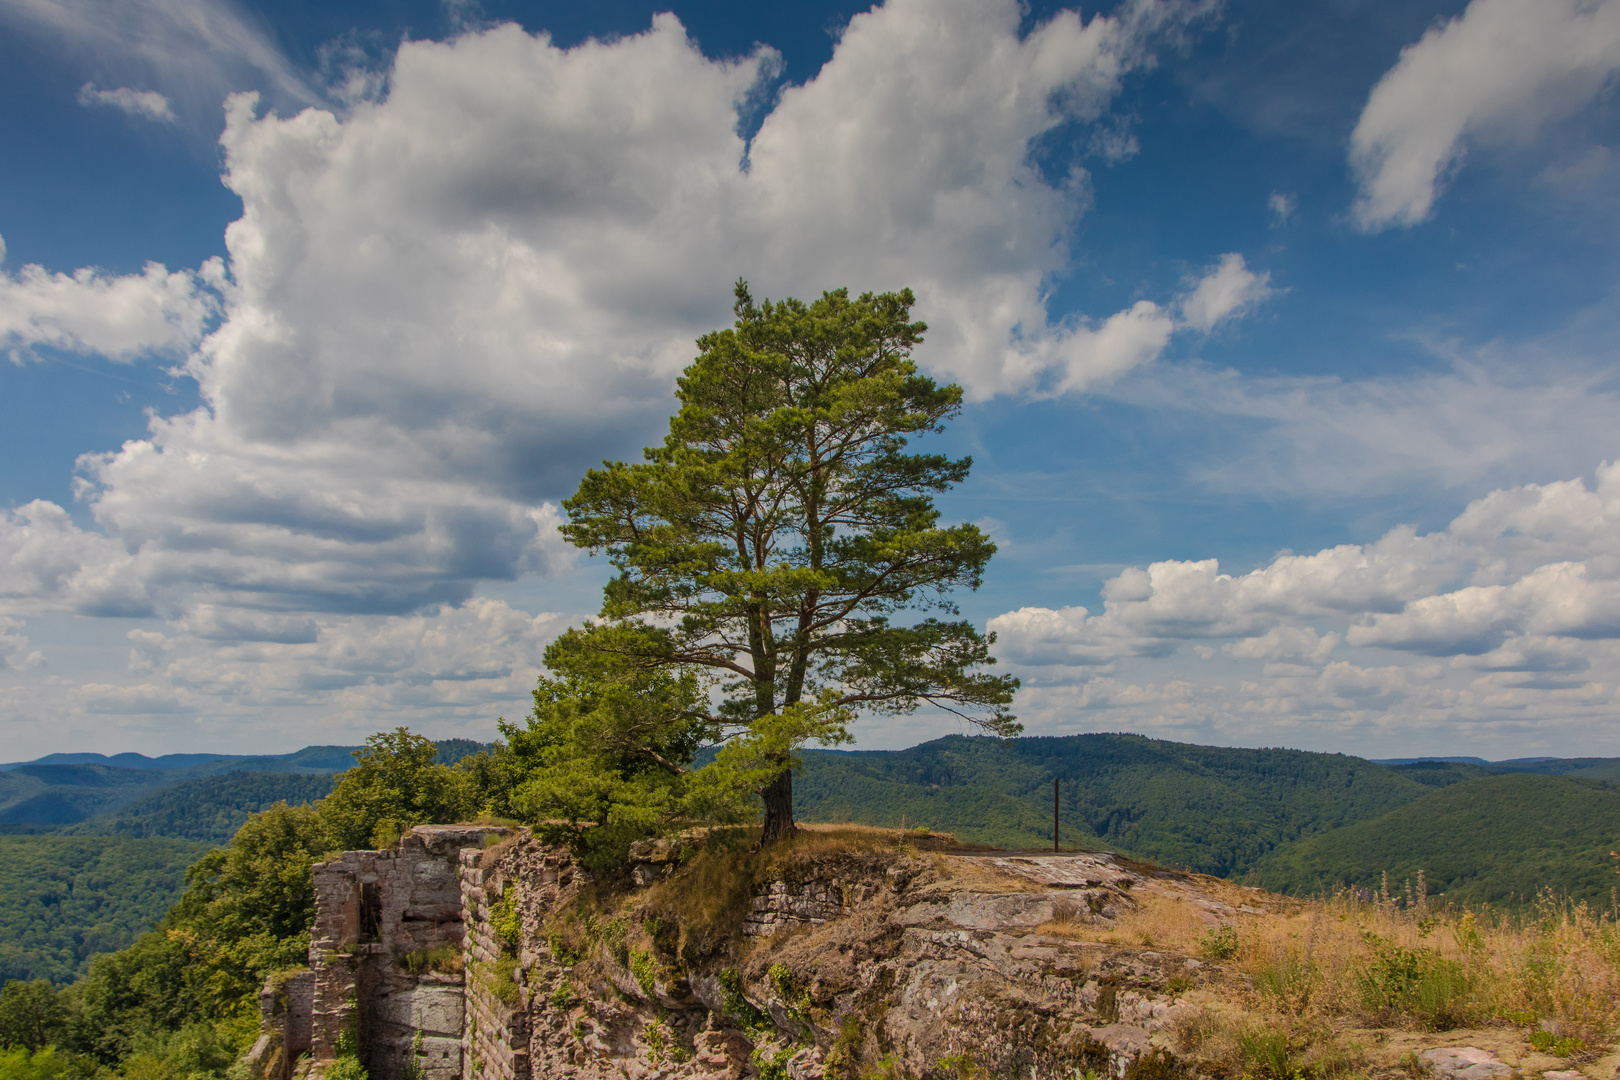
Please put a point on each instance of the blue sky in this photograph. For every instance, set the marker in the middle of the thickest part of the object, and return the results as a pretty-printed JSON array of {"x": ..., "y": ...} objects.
[{"x": 1287, "y": 330}]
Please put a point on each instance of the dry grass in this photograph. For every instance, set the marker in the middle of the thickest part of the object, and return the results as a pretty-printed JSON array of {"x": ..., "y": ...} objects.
[
  {"x": 1318, "y": 973},
  {"x": 1387, "y": 963},
  {"x": 700, "y": 907},
  {"x": 976, "y": 876},
  {"x": 1322, "y": 977},
  {"x": 1150, "y": 920}
]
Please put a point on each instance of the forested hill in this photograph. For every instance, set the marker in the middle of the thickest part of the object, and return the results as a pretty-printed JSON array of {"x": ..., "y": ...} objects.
[
  {"x": 1497, "y": 839},
  {"x": 1214, "y": 809},
  {"x": 210, "y": 808},
  {"x": 65, "y": 899}
]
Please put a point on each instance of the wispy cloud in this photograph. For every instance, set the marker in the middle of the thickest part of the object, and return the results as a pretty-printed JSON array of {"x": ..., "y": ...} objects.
[
  {"x": 192, "y": 53},
  {"x": 148, "y": 103},
  {"x": 1498, "y": 72}
]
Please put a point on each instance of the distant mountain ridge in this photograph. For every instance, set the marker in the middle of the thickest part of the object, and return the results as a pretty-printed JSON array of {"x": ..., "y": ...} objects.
[
  {"x": 311, "y": 759},
  {"x": 76, "y": 789}
]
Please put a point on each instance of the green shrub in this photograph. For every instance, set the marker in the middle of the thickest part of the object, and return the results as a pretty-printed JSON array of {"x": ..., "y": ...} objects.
[
  {"x": 347, "y": 1068},
  {"x": 1548, "y": 1043},
  {"x": 18, "y": 1063},
  {"x": 739, "y": 1008},
  {"x": 1265, "y": 1055},
  {"x": 1219, "y": 943},
  {"x": 644, "y": 968},
  {"x": 505, "y": 922},
  {"x": 1420, "y": 983}
]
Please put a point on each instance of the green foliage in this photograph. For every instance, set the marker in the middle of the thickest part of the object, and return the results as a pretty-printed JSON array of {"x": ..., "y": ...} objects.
[
  {"x": 347, "y": 1068},
  {"x": 31, "y": 1014},
  {"x": 1548, "y": 1043},
  {"x": 494, "y": 776},
  {"x": 502, "y": 979},
  {"x": 644, "y": 968},
  {"x": 65, "y": 899},
  {"x": 739, "y": 1009},
  {"x": 396, "y": 783},
  {"x": 1265, "y": 1055},
  {"x": 504, "y": 920},
  {"x": 1419, "y": 983},
  {"x": 253, "y": 901},
  {"x": 767, "y": 544},
  {"x": 1219, "y": 942},
  {"x": 156, "y": 986},
  {"x": 1496, "y": 839},
  {"x": 602, "y": 759},
  {"x": 773, "y": 1066},
  {"x": 45, "y": 1063}
]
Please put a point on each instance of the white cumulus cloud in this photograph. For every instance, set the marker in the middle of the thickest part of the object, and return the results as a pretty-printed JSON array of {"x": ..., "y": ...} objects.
[
  {"x": 120, "y": 317},
  {"x": 441, "y": 306},
  {"x": 1521, "y": 592},
  {"x": 1225, "y": 292}
]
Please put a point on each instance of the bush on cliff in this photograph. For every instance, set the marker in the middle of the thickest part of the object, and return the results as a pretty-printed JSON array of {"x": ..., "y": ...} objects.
[
  {"x": 396, "y": 783},
  {"x": 603, "y": 758}
]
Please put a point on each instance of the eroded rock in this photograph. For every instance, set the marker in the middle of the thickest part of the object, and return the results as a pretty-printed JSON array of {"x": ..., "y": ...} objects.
[{"x": 1463, "y": 1063}]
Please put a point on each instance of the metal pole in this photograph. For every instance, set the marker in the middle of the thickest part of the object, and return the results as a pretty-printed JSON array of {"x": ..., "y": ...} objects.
[{"x": 1055, "y": 783}]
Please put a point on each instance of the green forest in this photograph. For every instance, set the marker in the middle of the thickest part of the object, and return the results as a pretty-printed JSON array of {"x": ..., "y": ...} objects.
[
  {"x": 1495, "y": 839},
  {"x": 66, "y": 899},
  {"x": 1212, "y": 809},
  {"x": 211, "y": 808}
]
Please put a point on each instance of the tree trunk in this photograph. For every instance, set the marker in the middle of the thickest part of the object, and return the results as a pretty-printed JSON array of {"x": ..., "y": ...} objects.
[{"x": 778, "y": 796}]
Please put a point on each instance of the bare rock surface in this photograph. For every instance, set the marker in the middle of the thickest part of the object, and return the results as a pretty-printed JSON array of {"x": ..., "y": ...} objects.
[{"x": 1463, "y": 1063}]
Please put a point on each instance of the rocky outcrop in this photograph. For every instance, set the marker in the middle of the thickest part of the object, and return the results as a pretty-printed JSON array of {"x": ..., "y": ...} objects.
[
  {"x": 908, "y": 964},
  {"x": 876, "y": 962}
]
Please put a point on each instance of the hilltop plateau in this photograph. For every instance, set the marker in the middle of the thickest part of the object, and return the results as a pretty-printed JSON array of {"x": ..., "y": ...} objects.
[{"x": 850, "y": 953}]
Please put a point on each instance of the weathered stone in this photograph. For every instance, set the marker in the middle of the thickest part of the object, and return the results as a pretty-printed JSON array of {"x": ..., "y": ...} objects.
[
  {"x": 886, "y": 957},
  {"x": 1463, "y": 1063}
]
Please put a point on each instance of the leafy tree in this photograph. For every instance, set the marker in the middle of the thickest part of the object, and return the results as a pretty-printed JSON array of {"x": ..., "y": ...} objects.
[
  {"x": 603, "y": 756},
  {"x": 253, "y": 901},
  {"x": 159, "y": 984},
  {"x": 18, "y": 1063},
  {"x": 492, "y": 772},
  {"x": 396, "y": 784},
  {"x": 768, "y": 544},
  {"x": 31, "y": 1016}
]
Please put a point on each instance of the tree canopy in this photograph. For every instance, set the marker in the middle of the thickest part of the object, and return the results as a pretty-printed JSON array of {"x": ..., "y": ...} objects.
[
  {"x": 397, "y": 782},
  {"x": 764, "y": 555}
]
